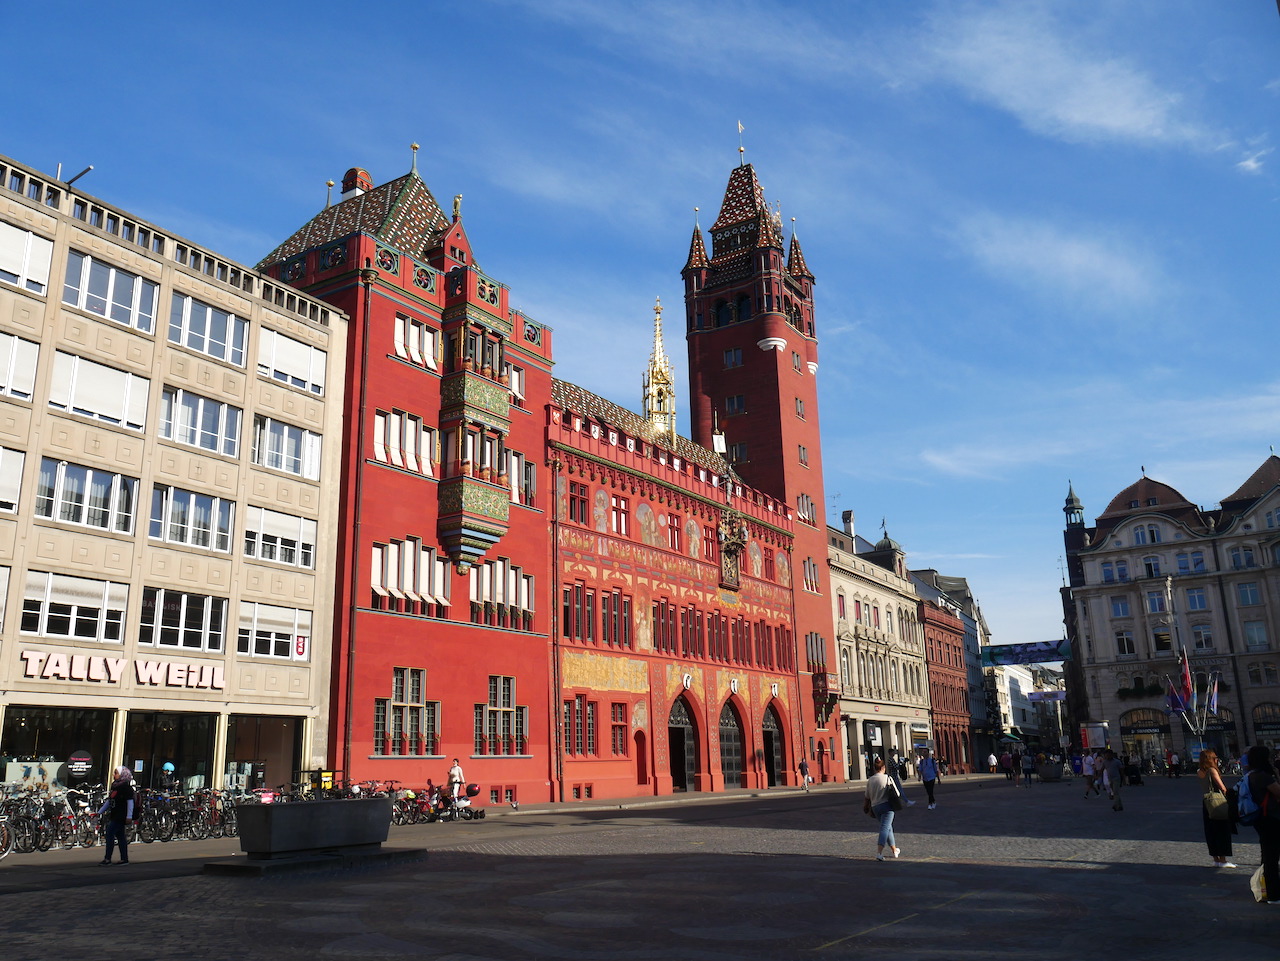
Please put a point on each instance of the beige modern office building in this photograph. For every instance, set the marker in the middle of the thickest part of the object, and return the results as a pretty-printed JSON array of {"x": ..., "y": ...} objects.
[
  {"x": 170, "y": 436},
  {"x": 884, "y": 684}
]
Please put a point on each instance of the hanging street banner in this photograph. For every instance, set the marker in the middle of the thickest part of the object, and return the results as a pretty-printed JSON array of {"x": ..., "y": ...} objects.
[
  {"x": 1047, "y": 696},
  {"x": 1036, "y": 652}
]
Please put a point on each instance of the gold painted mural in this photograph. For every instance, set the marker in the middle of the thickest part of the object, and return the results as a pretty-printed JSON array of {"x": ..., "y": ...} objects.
[{"x": 605, "y": 673}]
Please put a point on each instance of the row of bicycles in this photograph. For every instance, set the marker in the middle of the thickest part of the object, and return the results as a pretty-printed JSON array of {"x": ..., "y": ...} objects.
[
  {"x": 422, "y": 806},
  {"x": 32, "y": 821}
]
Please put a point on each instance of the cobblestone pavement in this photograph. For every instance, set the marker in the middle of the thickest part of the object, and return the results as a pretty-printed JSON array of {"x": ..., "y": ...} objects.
[{"x": 1040, "y": 873}]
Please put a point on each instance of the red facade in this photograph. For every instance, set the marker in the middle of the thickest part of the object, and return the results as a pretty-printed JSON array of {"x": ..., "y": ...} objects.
[
  {"x": 948, "y": 685},
  {"x": 753, "y": 360},
  {"x": 532, "y": 579}
]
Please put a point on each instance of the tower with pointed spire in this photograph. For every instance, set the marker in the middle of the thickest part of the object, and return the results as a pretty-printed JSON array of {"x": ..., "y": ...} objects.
[
  {"x": 659, "y": 398},
  {"x": 753, "y": 361}
]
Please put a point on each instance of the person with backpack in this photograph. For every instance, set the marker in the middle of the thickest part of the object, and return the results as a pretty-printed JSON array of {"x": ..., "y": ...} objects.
[{"x": 1258, "y": 804}]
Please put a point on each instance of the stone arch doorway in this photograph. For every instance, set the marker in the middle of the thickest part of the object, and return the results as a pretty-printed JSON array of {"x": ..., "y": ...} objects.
[
  {"x": 773, "y": 747},
  {"x": 731, "y": 740},
  {"x": 682, "y": 737}
]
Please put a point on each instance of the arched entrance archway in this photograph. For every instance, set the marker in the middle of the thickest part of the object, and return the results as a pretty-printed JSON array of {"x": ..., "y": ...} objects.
[
  {"x": 683, "y": 740},
  {"x": 731, "y": 739},
  {"x": 642, "y": 759},
  {"x": 771, "y": 739}
]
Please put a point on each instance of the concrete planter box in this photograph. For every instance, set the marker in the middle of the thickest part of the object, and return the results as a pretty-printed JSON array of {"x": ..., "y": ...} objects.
[
  {"x": 313, "y": 827},
  {"x": 1049, "y": 771}
]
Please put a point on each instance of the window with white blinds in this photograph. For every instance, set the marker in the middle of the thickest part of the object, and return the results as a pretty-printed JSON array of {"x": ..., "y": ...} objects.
[
  {"x": 272, "y": 536},
  {"x": 416, "y": 342},
  {"x": 24, "y": 258},
  {"x": 58, "y": 605},
  {"x": 270, "y": 631},
  {"x": 291, "y": 361},
  {"x": 95, "y": 390},
  {"x": 18, "y": 359},
  {"x": 410, "y": 572},
  {"x": 403, "y": 440},
  {"x": 11, "y": 464}
]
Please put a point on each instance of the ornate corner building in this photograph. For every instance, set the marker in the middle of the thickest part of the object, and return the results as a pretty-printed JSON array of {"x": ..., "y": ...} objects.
[{"x": 1157, "y": 575}]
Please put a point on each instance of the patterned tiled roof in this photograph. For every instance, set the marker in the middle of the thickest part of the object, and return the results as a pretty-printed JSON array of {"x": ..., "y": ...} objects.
[
  {"x": 1259, "y": 483},
  {"x": 743, "y": 198},
  {"x": 697, "y": 251},
  {"x": 582, "y": 401},
  {"x": 796, "y": 266},
  {"x": 770, "y": 233},
  {"x": 401, "y": 213}
]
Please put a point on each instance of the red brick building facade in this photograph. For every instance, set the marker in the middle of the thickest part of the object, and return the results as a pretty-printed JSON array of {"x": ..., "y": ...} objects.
[{"x": 948, "y": 684}]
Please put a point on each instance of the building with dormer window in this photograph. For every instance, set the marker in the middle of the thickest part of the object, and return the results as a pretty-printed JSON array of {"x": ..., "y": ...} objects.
[{"x": 1157, "y": 575}]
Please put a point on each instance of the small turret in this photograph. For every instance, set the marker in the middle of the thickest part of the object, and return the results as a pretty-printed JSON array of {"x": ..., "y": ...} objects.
[
  {"x": 659, "y": 384},
  {"x": 1073, "y": 508}
]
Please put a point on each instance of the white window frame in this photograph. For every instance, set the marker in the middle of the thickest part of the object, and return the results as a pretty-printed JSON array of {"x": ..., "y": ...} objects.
[
  {"x": 12, "y": 463},
  {"x": 192, "y": 431},
  {"x": 25, "y": 258},
  {"x": 209, "y": 622},
  {"x": 254, "y": 632},
  {"x": 114, "y": 304},
  {"x": 280, "y": 538},
  {"x": 181, "y": 331},
  {"x": 168, "y": 524},
  {"x": 417, "y": 342},
  {"x": 54, "y": 503},
  {"x": 274, "y": 456},
  {"x": 82, "y": 601},
  {"x": 18, "y": 361}
]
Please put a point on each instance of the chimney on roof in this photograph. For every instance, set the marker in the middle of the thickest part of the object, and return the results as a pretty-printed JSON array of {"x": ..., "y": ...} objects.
[
  {"x": 847, "y": 517},
  {"x": 355, "y": 182}
]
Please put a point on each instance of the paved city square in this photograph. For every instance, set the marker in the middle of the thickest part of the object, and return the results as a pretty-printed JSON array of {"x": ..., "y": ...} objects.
[{"x": 994, "y": 870}]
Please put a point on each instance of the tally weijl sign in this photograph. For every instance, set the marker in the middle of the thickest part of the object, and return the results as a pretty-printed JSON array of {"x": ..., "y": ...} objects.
[{"x": 52, "y": 666}]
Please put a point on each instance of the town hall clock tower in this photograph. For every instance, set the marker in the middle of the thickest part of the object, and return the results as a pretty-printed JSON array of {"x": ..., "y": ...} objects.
[{"x": 753, "y": 362}]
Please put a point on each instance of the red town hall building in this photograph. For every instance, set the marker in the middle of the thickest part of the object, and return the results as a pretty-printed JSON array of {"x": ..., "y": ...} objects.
[{"x": 569, "y": 597}]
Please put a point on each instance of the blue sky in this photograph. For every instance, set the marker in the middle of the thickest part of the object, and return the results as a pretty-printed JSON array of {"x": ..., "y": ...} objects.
[{"x": 1043, "y": 232}]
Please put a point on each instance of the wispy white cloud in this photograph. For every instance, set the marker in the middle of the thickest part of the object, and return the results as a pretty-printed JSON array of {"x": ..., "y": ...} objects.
[
  {"x": 1019, "y": 58},
  {"x": 1096, "y": 265},
  {"x": 1252, "y": 162}
]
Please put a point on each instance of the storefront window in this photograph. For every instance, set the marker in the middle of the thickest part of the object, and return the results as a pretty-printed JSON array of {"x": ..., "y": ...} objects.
[
  {"x": 262, "y": 751},
  {"x": 153, "y": 739},
  {"x": 36, "y": 742}
]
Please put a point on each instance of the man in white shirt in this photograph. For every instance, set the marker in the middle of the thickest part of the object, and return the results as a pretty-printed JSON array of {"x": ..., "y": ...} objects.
[
  {"x": 992, "y": 762},
  {"x": 1090, "y": 772},
  {"x": 456, "y": 779}
]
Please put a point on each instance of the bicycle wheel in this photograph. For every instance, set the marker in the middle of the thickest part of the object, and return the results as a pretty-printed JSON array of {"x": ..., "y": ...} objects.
[
  {"x": 46, "y": 834},
  {"x": 147, "y": 828},
  {"x": 24, "y": 833},
  {"x": 6, "y": 838},
  {"x": 230, "y": 822},
  {"x": 86, "y": 834}
]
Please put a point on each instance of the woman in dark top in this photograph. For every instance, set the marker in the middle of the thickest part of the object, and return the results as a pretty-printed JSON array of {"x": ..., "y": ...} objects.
[
  {"x": 1217, "y": 834},
  {"x": 1262, "y": 780}
]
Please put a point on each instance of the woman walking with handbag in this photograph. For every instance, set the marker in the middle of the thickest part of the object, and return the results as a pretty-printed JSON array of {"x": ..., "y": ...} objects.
[
  {"x": 881, "y": 801},
  {"x": 1217, "y": 822}
]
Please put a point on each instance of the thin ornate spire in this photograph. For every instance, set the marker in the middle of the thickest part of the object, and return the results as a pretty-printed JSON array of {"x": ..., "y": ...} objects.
[{"x": 659, "y": 383}]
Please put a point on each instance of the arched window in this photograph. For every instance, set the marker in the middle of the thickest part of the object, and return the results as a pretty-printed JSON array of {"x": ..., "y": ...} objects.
[
  {"x": 724, "y": 314},
  {"x": 744, "y": 308},
  {"x": 845, "y": 678},
  {"x": 840, "y": 606},
  {"x": 888, "y": 620}
]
